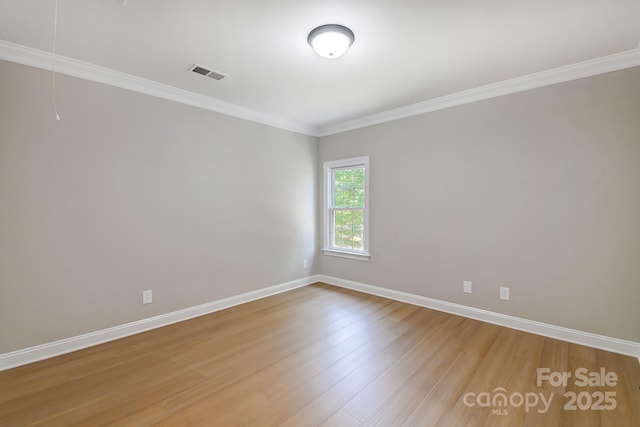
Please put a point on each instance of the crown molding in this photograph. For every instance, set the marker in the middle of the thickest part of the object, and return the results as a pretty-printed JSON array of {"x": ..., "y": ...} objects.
[
  {"x": 592, "y": 67},
  {"x": 72, "y": 67},
  {"x": 45, "y": 60}
]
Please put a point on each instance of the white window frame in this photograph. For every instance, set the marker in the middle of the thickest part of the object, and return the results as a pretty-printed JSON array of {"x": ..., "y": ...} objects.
[{"x": 328, "y": 249}]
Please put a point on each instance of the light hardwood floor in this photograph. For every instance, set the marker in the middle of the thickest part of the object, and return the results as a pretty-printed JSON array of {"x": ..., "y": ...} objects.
[{"x": 319, "y": 356}]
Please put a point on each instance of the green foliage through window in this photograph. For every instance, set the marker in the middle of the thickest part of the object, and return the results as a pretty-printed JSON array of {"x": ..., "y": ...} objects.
[{"x": 348, "y": 196}]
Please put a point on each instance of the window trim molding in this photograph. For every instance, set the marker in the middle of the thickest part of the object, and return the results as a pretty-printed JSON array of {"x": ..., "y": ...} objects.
[{"x": 363, "y": 255}]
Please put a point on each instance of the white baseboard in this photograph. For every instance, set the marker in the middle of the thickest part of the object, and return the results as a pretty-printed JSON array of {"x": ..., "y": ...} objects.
[
  {"x": 615, "y": 345},
  {"x": 67, "y": 345}
]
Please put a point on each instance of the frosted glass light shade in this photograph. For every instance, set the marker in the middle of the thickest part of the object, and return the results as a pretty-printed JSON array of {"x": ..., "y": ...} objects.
[{"x": 331, "y": 40}]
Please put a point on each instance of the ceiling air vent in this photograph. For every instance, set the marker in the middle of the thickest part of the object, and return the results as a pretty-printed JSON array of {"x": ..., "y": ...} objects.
[{"x": 207, "y": 72}]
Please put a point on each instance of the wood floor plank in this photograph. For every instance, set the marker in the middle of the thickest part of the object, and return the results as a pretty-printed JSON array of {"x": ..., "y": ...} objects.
[
  {"x": 317, "y": 356},
  {"x": 626, "y": 393},
  {"x": 341, "y": 419},
  {"x": 554, "y": 358},
  {"x": 376, "y": 393},
  {"x": 403, "y": 401},
  {"x": 350, "y": 374},
  {"x": 437, "y": 404},
  {"x": 280, "y": 346},
  {"x": 284, "y": 401}
]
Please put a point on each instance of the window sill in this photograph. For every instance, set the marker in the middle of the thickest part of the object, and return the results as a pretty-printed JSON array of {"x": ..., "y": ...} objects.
[{"x": 345, "y": 254}]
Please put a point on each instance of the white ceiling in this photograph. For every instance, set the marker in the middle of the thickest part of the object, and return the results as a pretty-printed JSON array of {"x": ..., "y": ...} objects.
[{"x": 405, "y": 51}]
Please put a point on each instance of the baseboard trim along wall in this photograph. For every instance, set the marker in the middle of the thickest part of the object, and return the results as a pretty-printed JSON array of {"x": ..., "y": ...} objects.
[
  {"x": 614, "y": 345},
  {"x": 68, "y": 345}
]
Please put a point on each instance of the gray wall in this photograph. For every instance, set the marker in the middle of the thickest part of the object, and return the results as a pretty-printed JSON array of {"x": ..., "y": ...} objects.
[
  {"x": 538, "y": 191},
  {"x": 130, "y": 192}
]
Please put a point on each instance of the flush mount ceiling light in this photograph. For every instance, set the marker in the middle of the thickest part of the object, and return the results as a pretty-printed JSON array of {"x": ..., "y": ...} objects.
[{"x": 331, "y": 40}]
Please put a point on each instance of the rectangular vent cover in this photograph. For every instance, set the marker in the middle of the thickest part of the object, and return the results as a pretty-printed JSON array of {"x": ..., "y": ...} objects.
[{"x": 207, "y": 72}]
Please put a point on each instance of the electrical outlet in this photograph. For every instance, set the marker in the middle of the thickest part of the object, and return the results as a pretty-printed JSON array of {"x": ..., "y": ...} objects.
[
  {"x": 504, "y": 294},
  {"x": 305, "y": 264},
  {"x": 147, "y": 297},
  {"x": 466, "y": 287}
]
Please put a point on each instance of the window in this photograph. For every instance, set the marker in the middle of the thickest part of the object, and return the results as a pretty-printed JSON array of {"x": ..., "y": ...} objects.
[{"x": 346, "y": 213}]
